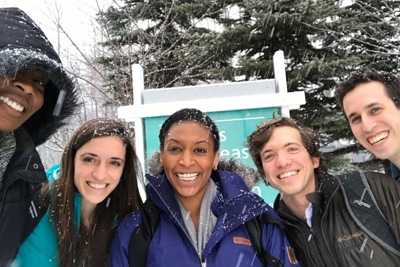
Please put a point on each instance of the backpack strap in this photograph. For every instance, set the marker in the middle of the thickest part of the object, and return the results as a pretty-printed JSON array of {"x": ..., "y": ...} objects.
[
  {"x": 254, "y": 228},
  {"x": 364, "y": 209},
  {"x": 140, "y": 240}
]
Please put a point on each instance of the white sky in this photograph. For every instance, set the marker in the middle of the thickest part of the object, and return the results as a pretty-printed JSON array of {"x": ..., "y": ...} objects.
[{"x": 77, "y": 18}]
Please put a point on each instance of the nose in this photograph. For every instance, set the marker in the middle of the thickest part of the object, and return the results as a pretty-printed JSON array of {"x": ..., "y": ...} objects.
[
  {"x": 368, "y": 123},
  {"x": 282, "y": 160},
  {"x": 25, "y": 87},
  {"x": 186, "y": 159},
  {"x": 100, "y": 172}
]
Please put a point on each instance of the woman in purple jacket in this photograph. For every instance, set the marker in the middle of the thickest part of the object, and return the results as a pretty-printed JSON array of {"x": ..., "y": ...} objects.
[{"x": 202, "y": 209}]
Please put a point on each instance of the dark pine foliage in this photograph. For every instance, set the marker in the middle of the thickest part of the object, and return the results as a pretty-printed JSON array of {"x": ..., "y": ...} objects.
[{"x": 322, "y": 42}]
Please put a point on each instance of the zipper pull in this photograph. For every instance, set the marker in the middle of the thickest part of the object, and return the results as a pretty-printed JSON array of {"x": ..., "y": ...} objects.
[
  {"x": 309, "y": 237},
  {"x": 203, "y": 261}
]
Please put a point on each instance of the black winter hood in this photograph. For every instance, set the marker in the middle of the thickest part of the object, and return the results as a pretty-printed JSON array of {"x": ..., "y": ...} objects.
[{"x": 24, "y": 47}]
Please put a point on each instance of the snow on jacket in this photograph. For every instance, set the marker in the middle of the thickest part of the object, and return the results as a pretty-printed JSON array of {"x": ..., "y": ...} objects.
[
  {"x": 24, "y": 47},
  {"x": 18, "y": 210},
  {"x": 233, "y": 206}
]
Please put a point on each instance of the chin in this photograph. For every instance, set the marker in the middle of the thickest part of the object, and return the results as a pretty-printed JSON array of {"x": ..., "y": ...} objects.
[{"x": 96, "y": 201}]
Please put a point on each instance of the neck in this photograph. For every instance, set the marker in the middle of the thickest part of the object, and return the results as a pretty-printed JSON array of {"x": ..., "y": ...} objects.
[
  {"x": 87, "y": 210},
  {"x": 193, "y": 205},
  {"x": 297, "y": 205},
  {"x": 193, "y": 208}
]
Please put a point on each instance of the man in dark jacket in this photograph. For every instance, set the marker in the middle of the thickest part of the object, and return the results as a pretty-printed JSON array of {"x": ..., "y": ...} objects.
[
  {"x": 370, "y": 101},
  {"x": 36, "y": 95},
  {"x": 319, "y": 222}
]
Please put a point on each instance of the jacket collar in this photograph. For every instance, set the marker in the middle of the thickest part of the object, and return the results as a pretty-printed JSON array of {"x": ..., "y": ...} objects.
[
  {"x": 394, "y": 172},
  {"x": 326, "y": 185},
  {"x": 233, "y": 206},
  {"x": 25, "y": 163},
  {"x": 234, "y": 201}
]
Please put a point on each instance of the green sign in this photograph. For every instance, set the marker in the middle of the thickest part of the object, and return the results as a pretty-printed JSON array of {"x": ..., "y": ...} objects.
[{"x": 234, "y": 127}]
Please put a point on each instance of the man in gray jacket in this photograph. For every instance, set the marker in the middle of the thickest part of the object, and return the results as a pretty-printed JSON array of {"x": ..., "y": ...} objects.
[{"x": 36, "y": 96}]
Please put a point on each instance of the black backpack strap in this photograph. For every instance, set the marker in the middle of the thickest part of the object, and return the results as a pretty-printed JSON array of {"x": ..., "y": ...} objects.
[
  {"x": 254, "y": 228},
  {"x": 140, "y": 240},
  {"x": 364, "y": 209}
]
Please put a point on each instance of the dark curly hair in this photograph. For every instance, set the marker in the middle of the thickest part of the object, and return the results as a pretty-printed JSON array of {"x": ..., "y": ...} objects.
[{"x": 389, "y": 81}]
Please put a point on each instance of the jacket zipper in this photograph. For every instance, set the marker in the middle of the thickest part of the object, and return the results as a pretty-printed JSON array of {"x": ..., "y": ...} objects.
[
  {"x": 322, "y": 219},
  {"x": 203, "y": 262}
]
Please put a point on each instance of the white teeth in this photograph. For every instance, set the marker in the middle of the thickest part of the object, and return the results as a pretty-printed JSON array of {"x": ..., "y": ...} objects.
[
  {"x": 379, "y": 137},
  {"x": 287, "y": 174},
  {"x": 97, "y": 186},
  {"x": 187, "y": 176},
  {"x": 12, "y": 103}
]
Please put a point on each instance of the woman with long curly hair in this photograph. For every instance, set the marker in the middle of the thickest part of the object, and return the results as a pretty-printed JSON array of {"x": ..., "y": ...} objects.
[{"x": 97, "y": 187}]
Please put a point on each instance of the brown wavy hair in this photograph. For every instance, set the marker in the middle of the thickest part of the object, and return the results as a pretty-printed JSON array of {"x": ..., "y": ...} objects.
[
  {"x": 79, "y": 246},
  {"x": 261, "y": 136}
]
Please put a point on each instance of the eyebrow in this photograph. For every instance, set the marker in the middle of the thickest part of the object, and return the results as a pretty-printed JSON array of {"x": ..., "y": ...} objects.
[
  {"x": 367, "y": 107},
  {"x": 177, "y": 141},
  {"x": 286, "y": 145},
  {"x": 88, "y": 154},
  {"x": 96, "y": 156}
]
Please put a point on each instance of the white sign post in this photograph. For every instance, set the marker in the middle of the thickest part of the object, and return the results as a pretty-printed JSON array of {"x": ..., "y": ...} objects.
[{"x": 230, "y": 104}]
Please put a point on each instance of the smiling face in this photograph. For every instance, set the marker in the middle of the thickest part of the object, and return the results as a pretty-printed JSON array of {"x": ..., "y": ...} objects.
[
  {"x": 20, "y": 98},
  {"x": 188, "y": 157},
  {"x": 374, "y": 120},
  {"x": 99, "y": 165},
  {"x": 287, "y": 164}
]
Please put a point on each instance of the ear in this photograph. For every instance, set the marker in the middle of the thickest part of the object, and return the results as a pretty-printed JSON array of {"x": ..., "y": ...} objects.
[
  {"x": 216, "y": 161},
  {"x": 315, "y": 161}
]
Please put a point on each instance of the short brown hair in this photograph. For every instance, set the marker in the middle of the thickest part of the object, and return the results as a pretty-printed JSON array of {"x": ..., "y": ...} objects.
[{"x": 257, "y": 139}]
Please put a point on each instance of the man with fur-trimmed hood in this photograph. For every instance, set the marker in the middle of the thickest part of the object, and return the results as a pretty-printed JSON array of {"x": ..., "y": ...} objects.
[{"x": 36, "y": 96}]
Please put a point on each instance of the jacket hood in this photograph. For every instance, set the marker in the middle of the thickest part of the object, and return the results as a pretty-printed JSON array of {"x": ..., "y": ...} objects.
[
  {"x": 249, "y": 175},
  {"x": 24, "y": 47}
]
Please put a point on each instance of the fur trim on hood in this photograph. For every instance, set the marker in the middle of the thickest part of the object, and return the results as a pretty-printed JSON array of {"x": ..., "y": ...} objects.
[
  {"x": 24, "y": 47},
  {"x": 249, "y": 175}
]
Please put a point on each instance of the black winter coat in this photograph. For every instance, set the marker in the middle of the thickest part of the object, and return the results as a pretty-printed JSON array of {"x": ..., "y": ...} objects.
[
  {"x": 20, "y": 208},
  {"x": 334, "y": 240},
  {"x": 24, "y": 47}
]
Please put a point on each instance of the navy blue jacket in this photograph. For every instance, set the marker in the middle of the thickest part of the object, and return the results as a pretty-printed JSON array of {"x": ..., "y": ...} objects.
[{"x": 229, "y": 243}]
